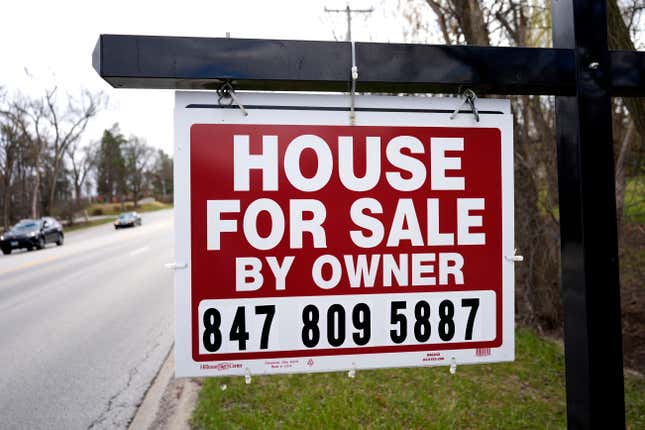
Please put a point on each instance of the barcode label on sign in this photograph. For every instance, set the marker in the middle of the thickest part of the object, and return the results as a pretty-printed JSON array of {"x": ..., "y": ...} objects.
[{"x": 482, "y": 352}]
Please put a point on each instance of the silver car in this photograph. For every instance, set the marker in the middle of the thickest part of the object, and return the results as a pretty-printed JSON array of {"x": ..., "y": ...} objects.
[{"x": 127, "y": 219}]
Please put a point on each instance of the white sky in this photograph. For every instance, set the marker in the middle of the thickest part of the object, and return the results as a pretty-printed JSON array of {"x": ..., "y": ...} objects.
[{"x": 54, "y": 40}]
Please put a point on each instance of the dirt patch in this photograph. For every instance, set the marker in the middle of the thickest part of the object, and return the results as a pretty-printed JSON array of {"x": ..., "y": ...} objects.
[{"x": 632, "y": 294}]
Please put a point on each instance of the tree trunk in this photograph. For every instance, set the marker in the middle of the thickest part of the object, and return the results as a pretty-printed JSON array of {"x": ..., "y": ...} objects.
[
  {"x": 52, "y": 188},
  {"x": 34, "y": 197},
  {"x": 136, "y": 190},
  {"x": 5, "y": 207},
  {"x": 619, "y": 38},
  {"x": 620, "y": 182},
  {"x": 471, "y": 20},
  {"x": 538, "y": 293},
  {"x": 6, "y": 180},
  {"x": 77, "y": 194}
]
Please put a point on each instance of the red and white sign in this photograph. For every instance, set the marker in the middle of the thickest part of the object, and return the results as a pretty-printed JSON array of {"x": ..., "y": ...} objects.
[{"x": 313, "y": 245}]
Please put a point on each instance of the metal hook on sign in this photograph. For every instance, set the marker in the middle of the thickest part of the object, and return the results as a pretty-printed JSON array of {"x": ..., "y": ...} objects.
[
  {"x": 354, "y": 72},
  {"x": 224, "y": 93},
  {"x": 227, "y": 92},
  {"x": 175, "y": 266},
  {"x": 469, "y": 99},
  {"x": 514, "y": 258}
]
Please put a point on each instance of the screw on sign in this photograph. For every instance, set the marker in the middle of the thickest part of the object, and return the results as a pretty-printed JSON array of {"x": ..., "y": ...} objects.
[{"x": 333, "y": 247}]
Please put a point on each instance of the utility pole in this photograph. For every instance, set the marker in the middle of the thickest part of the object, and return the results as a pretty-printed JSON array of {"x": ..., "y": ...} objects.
[{"x": 349, "y": 12}]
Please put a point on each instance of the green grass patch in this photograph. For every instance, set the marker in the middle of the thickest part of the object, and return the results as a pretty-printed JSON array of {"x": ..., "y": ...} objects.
[
  {"x": 634, "y": 204},
  {"x": 635, "y": 401},
  {"x": 154, "y": 206},
  {"x": 528, "y": 393},
  {"x": 93, "y": 223},
  {"x": 116, "y": 208}
]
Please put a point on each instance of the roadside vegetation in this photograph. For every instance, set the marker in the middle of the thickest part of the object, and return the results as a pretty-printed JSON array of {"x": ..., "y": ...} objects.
[
  {"x": 111, "y": 210},
  {"x": 528, "y": 393},
  {"x": 634, "y": 205},
  {"x": 116, "y": 208},
  {"x": 87, "y": 224}
]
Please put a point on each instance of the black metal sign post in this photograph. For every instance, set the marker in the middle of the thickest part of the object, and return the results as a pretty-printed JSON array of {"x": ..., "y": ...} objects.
[
  {"x": 588, "y": 233},
  {"x": 580, "y": 72}
]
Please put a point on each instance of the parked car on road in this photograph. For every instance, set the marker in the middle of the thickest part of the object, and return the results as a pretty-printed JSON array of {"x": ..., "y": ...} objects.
[
  {"x": 127, "y": 219},
  {"x": 32, "y": 234}
]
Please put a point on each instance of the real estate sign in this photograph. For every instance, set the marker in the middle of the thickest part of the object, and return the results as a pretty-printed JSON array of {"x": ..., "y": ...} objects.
[{"x": 306, "y": 244}]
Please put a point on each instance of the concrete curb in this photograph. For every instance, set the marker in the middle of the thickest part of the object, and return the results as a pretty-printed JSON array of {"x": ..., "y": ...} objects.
[{"x": 169, "y": 402}]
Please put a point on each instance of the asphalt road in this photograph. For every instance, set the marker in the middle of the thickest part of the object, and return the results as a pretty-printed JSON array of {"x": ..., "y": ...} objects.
[{"x": 85, "y": 327}]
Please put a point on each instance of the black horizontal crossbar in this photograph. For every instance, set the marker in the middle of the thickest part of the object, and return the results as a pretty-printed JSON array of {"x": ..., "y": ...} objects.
[{"x": 295, "y": 65}]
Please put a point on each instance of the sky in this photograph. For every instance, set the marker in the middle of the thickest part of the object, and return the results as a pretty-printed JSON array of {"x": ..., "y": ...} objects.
[{"x": 49, "y": 43}]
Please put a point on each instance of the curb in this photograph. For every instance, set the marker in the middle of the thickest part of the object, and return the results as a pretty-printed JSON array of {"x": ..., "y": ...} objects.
[{"x": 169, "y": 402}]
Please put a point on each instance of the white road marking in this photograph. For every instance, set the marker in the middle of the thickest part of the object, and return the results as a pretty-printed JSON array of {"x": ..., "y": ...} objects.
[{"x": 139, "y": 251}]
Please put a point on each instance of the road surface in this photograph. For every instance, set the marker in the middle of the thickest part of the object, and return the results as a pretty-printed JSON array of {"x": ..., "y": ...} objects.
[{"x": 85, "y": 327}]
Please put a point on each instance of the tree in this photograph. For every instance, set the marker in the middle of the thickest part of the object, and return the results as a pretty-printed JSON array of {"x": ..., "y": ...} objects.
[
  {"x": 109, "y": 163},
  {"x": 67, "y": 126},
  {"x": 27, "y": 116},
  {"x": 9, "y": 143},
  {"x": 162, "y": 175},
  {"x": 137, "y": 156},
  {"x": 82, "y": 162}
]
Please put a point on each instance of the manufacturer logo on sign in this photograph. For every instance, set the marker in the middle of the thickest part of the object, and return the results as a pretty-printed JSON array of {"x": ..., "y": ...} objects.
[{"x": 220, "y": 366}]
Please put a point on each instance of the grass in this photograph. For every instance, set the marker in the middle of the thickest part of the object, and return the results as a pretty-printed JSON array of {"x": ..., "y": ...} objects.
[
  {"x": 528, "y": 393},
  {"x": 634, "y": 205},
  {"x": 88, "y": 224},
  {"x": 112, "y": 210},
  {"x": 115, "y": 208}
]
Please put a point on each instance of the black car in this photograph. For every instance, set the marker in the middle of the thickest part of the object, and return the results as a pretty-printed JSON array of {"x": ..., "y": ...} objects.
[
  {"x": 127, "y": 219},
  {"x": 32, "y": 234}
]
